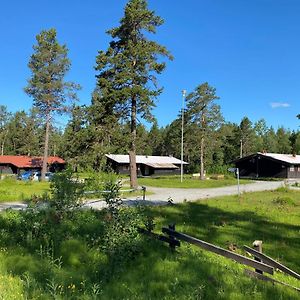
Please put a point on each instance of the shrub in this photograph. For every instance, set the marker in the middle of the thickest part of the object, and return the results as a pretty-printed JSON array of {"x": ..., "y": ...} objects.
[
  {"x": 122, "y": 239},
  {"x": 66, "y": 193},
  {"x": 284, "y": 200}
]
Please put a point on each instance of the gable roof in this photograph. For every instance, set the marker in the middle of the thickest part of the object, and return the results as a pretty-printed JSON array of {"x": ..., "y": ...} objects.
[
  {"x": 289, "y": 159},
  {"x": 152, "y": 161},
  {"x": 28, "y": 161}
]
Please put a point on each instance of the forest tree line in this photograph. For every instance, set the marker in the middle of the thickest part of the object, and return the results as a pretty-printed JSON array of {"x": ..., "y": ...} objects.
[
  {"x": 88, "y": 136},
  {"x": 124, "y": 96}
]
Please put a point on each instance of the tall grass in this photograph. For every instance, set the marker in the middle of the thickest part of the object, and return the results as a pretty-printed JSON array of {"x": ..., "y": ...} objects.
[
  {"x": 80, "y": 266},
  {"x": 15, "y": 190}
]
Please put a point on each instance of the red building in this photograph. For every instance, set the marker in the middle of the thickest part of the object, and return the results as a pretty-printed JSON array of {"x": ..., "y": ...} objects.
[{"x": 14, "y": 164}]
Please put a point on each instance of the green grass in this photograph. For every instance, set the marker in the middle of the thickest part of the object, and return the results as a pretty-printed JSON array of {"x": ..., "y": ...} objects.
[
  {"x": 15, "y": 190},
  {"x": 81, "y": 270},
  {"x": 188, "y": 182}
]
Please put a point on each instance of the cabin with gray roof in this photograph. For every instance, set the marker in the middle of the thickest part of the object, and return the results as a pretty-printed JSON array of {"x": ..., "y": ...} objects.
[
  {"x": 269, "y": 165},
  {"x": 146, "y": 165}
]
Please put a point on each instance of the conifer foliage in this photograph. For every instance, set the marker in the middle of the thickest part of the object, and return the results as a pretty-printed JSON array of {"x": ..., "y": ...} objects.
[
  {"x": 49, "y": 64},
  {"x": 128, "y": 69}
]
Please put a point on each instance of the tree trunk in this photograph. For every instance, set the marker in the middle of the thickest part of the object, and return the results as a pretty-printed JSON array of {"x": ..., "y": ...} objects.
[
  {"x": 45, "y": 157},
  {"x": 241, "y": 148},
  {"x": 3, "y": 142},
  {"x": 132, "y": 151},
  {"x": 202, "y": 177}
]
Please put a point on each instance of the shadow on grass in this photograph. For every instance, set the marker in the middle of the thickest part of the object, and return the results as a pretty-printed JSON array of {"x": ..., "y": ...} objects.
[
  {"x": 221, "y": 227},
  {"x": 155, "y": 272}
]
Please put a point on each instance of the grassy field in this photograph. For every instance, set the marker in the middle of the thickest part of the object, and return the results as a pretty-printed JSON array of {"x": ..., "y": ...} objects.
[
  {"x": 79, "y": 267},
  {"x": 188, "y": 182},
  {"x": 16, "y": 190}
]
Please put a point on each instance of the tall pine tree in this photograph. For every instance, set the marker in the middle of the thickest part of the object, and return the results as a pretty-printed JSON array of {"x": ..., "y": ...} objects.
[
  {"x": 204, "y": 116},
  {"x": 49, "y": 64},
  {"x": 128, "y": 68}
]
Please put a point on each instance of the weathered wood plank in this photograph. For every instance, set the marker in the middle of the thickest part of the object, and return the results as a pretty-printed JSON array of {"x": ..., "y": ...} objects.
[
  {"x": 160, "y": 237},
  {"x": 218, "y": 250},
  {"x": 271, "y": 262},
  {"x": 265, "y": 278}
]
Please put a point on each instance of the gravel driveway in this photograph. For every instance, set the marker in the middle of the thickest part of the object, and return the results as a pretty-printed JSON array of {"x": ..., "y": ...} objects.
[
  {"x": 162, "y": 195},
  {"x": 179, "y": 195}
]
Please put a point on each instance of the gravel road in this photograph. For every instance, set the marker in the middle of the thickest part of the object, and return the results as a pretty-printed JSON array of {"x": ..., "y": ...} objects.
[
  {"x": 162, "y": 195},
  {"x": 179, "y": 195}
]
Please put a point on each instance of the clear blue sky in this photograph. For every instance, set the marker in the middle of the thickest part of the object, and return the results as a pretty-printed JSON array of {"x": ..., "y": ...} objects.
[{"x": 248, "y": 50}]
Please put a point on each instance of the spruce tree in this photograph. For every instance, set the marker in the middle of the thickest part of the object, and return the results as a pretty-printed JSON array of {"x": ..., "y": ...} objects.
[
  {"x": 128, "y": 69},
  {"x": 50, "y": 92}
]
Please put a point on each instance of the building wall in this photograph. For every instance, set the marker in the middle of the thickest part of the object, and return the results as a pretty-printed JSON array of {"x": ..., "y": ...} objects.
[
  {"x": 261, "y": 167},
  {"x": 166, "y": 172},
  {"x": 293, "y": 171},
  {"x": 141, "y": 170},
  {"x": 6, "y": 169}
]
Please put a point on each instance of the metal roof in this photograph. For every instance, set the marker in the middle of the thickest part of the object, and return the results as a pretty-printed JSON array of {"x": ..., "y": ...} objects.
[
  {"x": 162, "y": 166},
  {"x": 146, "y": 159},
  {"x": 288, "y": 158},
  {"x": 28, "y": 161}
]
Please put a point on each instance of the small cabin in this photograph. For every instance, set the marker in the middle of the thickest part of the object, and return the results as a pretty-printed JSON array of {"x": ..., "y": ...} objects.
[
  {"x": 16, "y": 164},
  {"x": 146, "y": 165},
  {"x": 269, "y": 165}
]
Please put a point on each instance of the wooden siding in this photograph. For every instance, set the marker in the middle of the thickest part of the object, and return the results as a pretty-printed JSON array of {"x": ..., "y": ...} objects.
[{"x": 261, "y": 167}]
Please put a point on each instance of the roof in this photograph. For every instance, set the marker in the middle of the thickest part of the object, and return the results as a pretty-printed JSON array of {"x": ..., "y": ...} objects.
[
  {"x": 162, "y": 166},
  {"x": 152, "y": 161},
  {"x": 28, "y": 161},
  {"x": 288, "y": 158},
  {"x": 285, "y": 158}
]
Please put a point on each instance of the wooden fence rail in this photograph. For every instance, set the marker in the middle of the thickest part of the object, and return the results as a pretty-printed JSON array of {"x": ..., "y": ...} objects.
[
  {"x": 262, "y": 262},
  {"x": 220, "y": 251},
  {"x": 271, "y": 262}
]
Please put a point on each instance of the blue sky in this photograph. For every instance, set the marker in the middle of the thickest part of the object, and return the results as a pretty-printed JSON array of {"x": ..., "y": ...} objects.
[{"x": 248, "y": 50}]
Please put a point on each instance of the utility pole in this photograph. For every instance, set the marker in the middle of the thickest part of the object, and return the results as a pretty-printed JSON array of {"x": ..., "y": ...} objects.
[
  {"x": 241, "y": 148},
  {"x": 182, "y": 121}
]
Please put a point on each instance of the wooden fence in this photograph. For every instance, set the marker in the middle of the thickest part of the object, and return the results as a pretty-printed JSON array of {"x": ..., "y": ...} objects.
[{"x": 261, "y": 262}]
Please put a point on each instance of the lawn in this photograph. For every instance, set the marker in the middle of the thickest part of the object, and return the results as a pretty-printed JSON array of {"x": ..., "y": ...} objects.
[
  {"x": 79, "y": 262},
  {"x": 188, "y": 182},
  {"x": 16, "y": 190}
]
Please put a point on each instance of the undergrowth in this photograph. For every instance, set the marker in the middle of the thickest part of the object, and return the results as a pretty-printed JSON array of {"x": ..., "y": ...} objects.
[{"x": 63, "y": 252}]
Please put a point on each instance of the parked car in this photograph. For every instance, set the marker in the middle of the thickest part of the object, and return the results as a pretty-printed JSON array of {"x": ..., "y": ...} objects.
[
  {"x": 35, "y": 176},
  {"x": 26, "y": 175}
]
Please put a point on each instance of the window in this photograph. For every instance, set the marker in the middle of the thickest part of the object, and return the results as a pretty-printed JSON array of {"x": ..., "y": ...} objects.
[{"x": 292, "y": 169}]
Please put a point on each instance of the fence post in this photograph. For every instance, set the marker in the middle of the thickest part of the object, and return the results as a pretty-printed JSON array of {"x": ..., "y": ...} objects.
[
  {"x": 172, "y": 244},
  {"x": 144, "y": 192},
  {"x": 257, "y": 245}
]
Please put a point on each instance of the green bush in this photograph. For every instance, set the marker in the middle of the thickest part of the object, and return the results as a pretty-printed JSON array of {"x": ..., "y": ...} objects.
[
  {"x": 284, "y": 200},
  {"x": 66, "y": 192}
]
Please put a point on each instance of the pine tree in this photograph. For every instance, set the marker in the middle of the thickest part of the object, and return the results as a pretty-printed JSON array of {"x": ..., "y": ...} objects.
[
  {"x": 49, "y": 64},
  {"x": 128, "y": 68},
  {"x": 4, "y": 120},
  {"x": 205, "y": 116}
]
